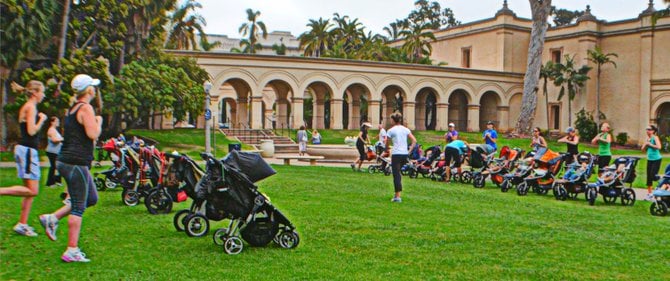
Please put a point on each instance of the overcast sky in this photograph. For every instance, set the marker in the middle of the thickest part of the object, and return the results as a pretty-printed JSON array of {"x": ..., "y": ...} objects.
[{"x": 225, "y": 16}]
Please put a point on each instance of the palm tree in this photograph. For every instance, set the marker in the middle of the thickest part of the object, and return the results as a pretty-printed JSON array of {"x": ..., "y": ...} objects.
[
  {"x": 317, "y": 39},
  {"x": 571, "y": 79},
  {"x": 417, "y": 42},
  {"x": 393, "y": 30},
  {"x": 348, "y": 31},
  {"x": 183, "y": 26},
  {"x": 252, "y": 29},
  {"x": 547, "y": 72},
  {"x": 279, "y": 49},
  {"x": 599, "y": 58}
]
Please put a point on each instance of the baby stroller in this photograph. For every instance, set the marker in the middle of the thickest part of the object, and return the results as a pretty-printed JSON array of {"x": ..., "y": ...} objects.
[
  {"x": 611, "y": 184},
  {"x": 177, "y": 186},
  {"x": 122, "y": 167},
  {"x": 498, "y": 167},
  {"x": 478, "y": 163},
  {"x": 383, "y": 163},
  {"x": 575, "y": 180},
  {"x": 661, "y": 197},
  {"x": 541, "y": 180},
  {"x": 149, "y": 174},
  {"x": 424, "y": 167},
  {"x": 519, "y": 173},
  {"x": 227, "y": 190}
]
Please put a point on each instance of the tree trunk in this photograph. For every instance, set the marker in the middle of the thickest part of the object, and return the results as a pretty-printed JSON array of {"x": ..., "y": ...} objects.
[
  {"x": 3, "y": 120},
  {"x": 598, "y": 98},
  {"x": 540, "y": 10},
  {"x": 569, "y": 112},
  {"x": 63, "y": 30}
]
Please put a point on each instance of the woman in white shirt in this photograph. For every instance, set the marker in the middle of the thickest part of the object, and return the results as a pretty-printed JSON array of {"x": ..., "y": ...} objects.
[
  {"x": 53, "y": 149},
  {"x": 399, "y": 154}
]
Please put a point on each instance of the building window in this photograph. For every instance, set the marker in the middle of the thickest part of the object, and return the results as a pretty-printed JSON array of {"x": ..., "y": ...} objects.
[
  {"x": 556, "y": 55},
  {"x": 465, "y": 57},
  {"x": 556, "y": 117}
]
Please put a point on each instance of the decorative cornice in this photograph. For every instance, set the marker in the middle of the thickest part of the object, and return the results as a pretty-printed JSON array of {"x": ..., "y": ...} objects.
[
  {"x": 587, "y": 16},
  {"x": 650, "y": 9},
  {"x": 505, "y": 10}
]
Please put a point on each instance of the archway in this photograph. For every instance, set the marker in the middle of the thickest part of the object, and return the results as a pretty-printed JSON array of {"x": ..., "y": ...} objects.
[
  {"x": 663, "y": 119},
  {"x": 458, "y": 109},
  {"x": 228, "y": 112},
  {"x": 392, "y": 101},
  {"x": 236, "y": 95},
  {"x": 488, "y": 109},
  {"x": 426, "y": 109},
  {"x": 316, "y": 106},
  {"x": 276, "y": 106},
  {"x": 355, "y": 106}
]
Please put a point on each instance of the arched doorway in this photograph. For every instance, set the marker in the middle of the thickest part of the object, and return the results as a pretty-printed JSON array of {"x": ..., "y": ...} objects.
[
  {"x": 458, "y": 109},
  {"x": 227, "y": 112},
  {"x": 355, "y": 106},
  {"x": 488, "y": 109},
  {"x": 392, "y": 101},
  {"x": 663, "y": 119},
  {"x": 316, "y": 106},
  {"x": 236, "y": 95},
  {"x": 426, "y": 109},
  {"x": 276, "y": 106}
]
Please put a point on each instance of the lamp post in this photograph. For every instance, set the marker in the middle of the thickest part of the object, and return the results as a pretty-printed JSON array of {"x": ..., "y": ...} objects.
[{"x": 208, "y": 115}]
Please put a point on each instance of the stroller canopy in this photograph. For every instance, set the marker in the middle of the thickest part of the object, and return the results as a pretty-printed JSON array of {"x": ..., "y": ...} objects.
[{"x": 251, "y": 165}]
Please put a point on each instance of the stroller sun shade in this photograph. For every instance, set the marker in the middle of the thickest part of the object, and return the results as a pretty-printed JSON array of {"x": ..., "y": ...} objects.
[{"x": 250, "y": 164}]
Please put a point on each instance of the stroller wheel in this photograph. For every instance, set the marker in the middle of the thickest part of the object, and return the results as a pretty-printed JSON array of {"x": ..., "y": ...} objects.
[
  {"x": 130, "y": 197},
  {"x": 591, "y": 195},
  {"x": 220, "y": 236},
  {"x": 100, "y": 184},
  {"x": 658, "y": 208},
  {"x": 196, "y": 225},
  {"x": 158, "y": 202},
  {"x": 466, "y": 177},
  {"x": 560, "y": 192},
  {"x": 387, "y": 171},
  {"x": 180, "y": 219},
  {"x": 289, "y": 239},
  {"x": 609, "y": 199},
  {"x": 628, "y": 197},
  {"x": 109, "y": 183},
  {"x": 233, "y": 245},
  {"x": 522, "y": 189},
  {"x": 479, "y": 181},
  {"x": 372, "y": 169},
  {"x": 504, "y": 186}
]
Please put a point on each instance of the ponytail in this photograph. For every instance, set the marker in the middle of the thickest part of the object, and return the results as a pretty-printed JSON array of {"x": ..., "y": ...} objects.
[{"x": 32, "y": 87}]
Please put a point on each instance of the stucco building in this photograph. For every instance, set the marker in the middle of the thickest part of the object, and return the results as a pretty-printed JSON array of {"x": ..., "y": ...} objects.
[{"x": 483, "y": 80}]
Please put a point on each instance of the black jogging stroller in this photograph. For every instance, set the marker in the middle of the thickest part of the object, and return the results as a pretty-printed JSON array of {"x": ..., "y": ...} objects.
[{"x": 227, "y": 191}]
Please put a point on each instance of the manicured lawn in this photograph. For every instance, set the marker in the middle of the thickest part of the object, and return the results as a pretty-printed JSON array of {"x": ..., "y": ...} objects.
[
  {"x": 187, "y": 141},
  {"x": 350, "y": 230}
]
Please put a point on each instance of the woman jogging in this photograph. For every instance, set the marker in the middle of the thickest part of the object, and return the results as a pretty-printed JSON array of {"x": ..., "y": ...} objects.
[
  {"x": 653, "y": 146},
  {"x": 82, "y": 128},
  {"x": 25, "y": 154},
  {"x": 399, "y": 154}
]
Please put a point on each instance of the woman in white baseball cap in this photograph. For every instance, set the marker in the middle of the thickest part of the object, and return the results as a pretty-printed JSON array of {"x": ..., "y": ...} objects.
[{"x": 81, "y": 128}]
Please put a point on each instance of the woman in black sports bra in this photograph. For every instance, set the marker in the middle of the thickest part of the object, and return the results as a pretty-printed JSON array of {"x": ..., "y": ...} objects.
[{"x": 25, "y": 153}]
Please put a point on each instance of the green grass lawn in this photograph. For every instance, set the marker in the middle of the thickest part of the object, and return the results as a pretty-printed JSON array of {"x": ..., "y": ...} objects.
[
  {"x": 188, "y": 141},
  {"x": 350, "y": 230}
]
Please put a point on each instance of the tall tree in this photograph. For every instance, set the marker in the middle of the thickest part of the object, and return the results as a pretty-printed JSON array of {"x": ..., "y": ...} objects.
[
  {"x": 599, "y": 58},
  {"x": 433, "y": 14},
  {"x": 571, "y": 80},
  {"x": 183, "y": 27},
  {"x": 540, "y": 12},
  {"x": 393, "y": 31},
  {"x": 417, "y": 42},
  {"x": 25, "y": 28},
  {"x": 254, "y": 29},
  {"x": 317, "y": 40},
  {"x": 564, "y": 17}
]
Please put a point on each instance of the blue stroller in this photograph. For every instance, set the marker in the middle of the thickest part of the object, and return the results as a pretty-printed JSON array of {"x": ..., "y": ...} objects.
[
  {"x": 575, "y": 180},
  {"x": 661, "y": 197},
  {"x": 611, "y": 184}
]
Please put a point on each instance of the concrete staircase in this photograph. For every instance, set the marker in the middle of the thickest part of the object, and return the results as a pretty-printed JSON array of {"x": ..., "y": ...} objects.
[{"x": 283, "y": 145}]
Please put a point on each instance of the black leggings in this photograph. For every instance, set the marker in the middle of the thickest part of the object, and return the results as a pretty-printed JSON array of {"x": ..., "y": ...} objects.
[
  {"x": 52, "y": 178},
  {"x": 653, "y": 166},
  {"x": 603, "y": 162},
  {"x": 397, "y": 161}
]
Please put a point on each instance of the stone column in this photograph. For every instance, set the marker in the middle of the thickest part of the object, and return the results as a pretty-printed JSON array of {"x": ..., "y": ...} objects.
[
  {"x": 473, "y": 118},
  {"x": 256, "y": 112},
  {"x": 282, "y": 113},
  {"x": 319, "y": 114},
  {"x": 297, "y": 113},
  {"x": 442, "y": 117},
  {"x": 336, "y": 114},
  {"x": 408, "y": 115},
  {"x": 354, "y": 113},
  {"x": 503, "y": 118},
  {"x": 420, "y": 115},
  {"x": 373, "y": 112},
  {"x": 216, "y": 113},
  {"x": 242, "y": 113},
  {"x": 267, "y": 124}
]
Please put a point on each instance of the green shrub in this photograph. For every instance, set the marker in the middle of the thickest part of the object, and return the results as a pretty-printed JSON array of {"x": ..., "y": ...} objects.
[
  {"x": 585, "y": 125},
  {"x": 622, "y": 138}
]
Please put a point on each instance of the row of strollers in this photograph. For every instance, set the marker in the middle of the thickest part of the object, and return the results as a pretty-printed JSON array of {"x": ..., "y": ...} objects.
[
  {"x": 564, "y": 175},
  {"x": 224, "y": 190}
]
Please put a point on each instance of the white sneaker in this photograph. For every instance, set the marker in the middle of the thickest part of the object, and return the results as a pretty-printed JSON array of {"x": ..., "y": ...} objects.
[
  {"x": 649, "y": 197},
  {"x": 25, "y": 230},
  {"x": 396, "y": 200},
  {"x": 74, "y": 256},
  {"x": 50, "y": 224}
]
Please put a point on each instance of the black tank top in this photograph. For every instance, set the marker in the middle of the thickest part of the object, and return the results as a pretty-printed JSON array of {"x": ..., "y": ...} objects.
[
  {"x": 572, "y": 148},
  {"x": 27, "y": 139},
  {"x": 77, "y": 147}
]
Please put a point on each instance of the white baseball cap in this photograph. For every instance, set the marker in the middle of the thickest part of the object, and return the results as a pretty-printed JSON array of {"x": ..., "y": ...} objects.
[
  {"x": 452, "y": 125},
  {"x": 83, "y": 81}
]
